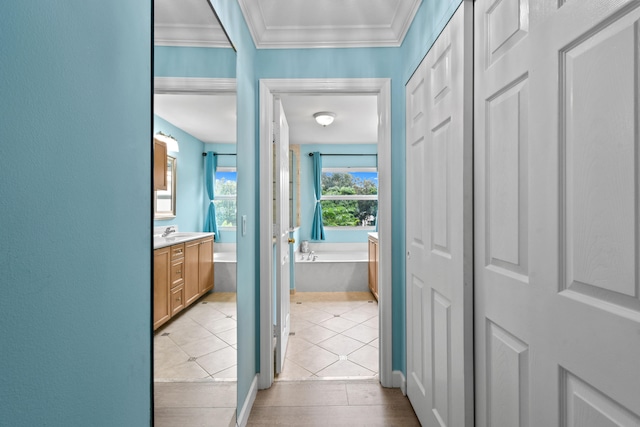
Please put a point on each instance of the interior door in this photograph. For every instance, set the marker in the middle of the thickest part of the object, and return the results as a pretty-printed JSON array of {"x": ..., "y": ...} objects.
[
  {"x": 557, "y": 226},
  {"x": 439, "y": 220},
  {"x": 281, "y": 232}
]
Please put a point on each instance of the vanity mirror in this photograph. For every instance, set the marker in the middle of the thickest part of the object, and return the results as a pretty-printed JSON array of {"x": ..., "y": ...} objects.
[{"x": 164, "y": 201}]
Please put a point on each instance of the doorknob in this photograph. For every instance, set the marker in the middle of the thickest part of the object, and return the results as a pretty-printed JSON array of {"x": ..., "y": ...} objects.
[{"x": 291, "y": 240}]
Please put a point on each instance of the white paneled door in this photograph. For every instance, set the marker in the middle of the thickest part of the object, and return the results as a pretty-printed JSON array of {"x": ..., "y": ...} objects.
[
  {"x": 557, "y": 213},
  {"x": 439, "y": 220},
  {"x": 281, "y": 233}
]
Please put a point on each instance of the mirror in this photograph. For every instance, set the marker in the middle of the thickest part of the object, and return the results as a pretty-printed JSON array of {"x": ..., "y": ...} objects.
[
  {"x": 194, "y": 352},
  {"x": 164, "y": 201}
]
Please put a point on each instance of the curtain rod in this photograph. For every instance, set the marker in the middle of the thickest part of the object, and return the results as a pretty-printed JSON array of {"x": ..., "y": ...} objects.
[
  {"x": 220, "y": 154},
  {"x": 372, "y": 154}
]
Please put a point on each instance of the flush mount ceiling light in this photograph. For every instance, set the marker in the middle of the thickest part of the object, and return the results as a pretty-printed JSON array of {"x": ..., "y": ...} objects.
[
  {"x": 172, "y": 143},
  {"x": 324, "y": 118}
]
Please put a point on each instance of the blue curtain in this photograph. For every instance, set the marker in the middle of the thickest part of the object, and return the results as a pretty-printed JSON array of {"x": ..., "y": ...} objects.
[
  {"x": 211, "y": 164},
  {"x": 317, "y": 228}
]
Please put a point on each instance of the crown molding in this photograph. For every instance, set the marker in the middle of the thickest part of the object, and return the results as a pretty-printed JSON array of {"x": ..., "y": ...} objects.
[
  {"x": 295, "y": 37},
  {"x": 190, "y": 36}
]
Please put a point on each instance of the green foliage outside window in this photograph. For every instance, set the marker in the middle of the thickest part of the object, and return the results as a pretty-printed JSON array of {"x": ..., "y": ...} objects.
[
  {"x": 226, "y": 185},
  {"x": 349, "y": 213}
]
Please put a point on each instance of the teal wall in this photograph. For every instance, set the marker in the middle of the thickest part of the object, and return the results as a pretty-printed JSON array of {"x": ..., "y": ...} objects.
[
  {"x": 226, "y": 236},
  {"x": 170, "y": 61},
  {"x": 307, "y": 194},
  {"x": 75, "y": 203},
  {"x": 248, "y": 282},
  {"x": 190, "y": 201}
]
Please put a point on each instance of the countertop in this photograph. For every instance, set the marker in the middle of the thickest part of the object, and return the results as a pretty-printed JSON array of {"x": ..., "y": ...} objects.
[
  {"x": 374, "y": 234},
  {"x": 176, "y": 238}
]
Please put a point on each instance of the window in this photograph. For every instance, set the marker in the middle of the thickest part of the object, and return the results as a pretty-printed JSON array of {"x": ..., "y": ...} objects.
[
  {"x": 349, "y": 197},
  {"x": 225, "y": 197}
]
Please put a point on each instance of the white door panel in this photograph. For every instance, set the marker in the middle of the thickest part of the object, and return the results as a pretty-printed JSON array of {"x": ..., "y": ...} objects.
[
  {"x": 557, "y": 180},
  {"x": 439, "y": 266},
  {"x": 282, "y": 227}
]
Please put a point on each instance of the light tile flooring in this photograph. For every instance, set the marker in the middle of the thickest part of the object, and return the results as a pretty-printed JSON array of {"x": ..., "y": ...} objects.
[
  {"x": 200, "y": 344},
  {"x": 333, "y": 335}
]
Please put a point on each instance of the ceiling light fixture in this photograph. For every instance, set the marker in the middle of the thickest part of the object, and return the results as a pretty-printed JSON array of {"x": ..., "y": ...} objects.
[
  {"x": 324, "y": 118},
  {"x": 172, "y": 143}
]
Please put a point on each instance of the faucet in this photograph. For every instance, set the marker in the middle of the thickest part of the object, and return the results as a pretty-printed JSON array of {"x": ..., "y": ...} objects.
[
  {"x": 312, "y": 253},
  {"x": 168, "y": 231}
]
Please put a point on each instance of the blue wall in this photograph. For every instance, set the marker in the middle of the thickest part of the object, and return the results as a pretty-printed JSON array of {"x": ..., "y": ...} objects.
[
  {"x": 190, "y": 202},
  {"x": 228, "y": 235},
  {"x": 172, "y": 61},
  {"x": 307, "y": 194},
  {"x": 75, "y": 203},
  {"x": 248, "y": 283}
]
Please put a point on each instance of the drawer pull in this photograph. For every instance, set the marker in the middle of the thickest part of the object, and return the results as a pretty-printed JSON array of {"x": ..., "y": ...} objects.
[{"x": 179, "y": 272}]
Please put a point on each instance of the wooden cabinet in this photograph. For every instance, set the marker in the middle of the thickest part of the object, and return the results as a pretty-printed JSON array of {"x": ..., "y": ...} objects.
[
  {"x": 199, "y": 268},
  {"x": 205, "y": 265},
  {"x": 374, "y": 260},
  {"x": 161, "y": 273},
  {"x": 159, "y": 165},
  {"x": 182, "y": 274}
]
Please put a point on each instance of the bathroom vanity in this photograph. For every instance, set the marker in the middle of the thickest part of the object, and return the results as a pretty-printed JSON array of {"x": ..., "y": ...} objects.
[{"x": 183, "y": 272}]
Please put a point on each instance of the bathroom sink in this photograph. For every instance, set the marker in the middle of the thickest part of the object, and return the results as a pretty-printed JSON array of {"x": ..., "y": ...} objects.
[{"x": 181, "y": 235}]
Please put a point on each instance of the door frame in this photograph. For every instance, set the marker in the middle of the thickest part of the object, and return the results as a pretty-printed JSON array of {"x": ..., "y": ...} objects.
[{"x": 268, "y": 88}]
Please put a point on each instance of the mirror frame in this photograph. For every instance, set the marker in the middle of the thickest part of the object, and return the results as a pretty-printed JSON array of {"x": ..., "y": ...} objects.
[{"x": 172, "y": 168}]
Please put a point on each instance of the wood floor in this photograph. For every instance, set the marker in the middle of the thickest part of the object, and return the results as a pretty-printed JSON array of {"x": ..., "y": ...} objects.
[
  {"x": 287, "y": 403},
  {"x": 331, "y": 403}
]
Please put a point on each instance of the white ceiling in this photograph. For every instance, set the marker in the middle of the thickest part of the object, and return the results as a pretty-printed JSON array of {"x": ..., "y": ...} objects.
[
  {"x": 282, "y": 24},
  {"x": 328, "y": 23}
]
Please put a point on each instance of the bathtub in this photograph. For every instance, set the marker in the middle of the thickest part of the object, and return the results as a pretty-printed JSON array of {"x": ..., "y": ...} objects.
[
  {"x": 337, "y": 268},
  {"x": 224, "y": 267}
]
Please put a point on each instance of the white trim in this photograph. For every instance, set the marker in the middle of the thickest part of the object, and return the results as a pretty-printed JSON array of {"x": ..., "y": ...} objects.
[
  {"x": 267, "y": 36},
  {"x": 243, "y": 416},
  {"x": 189, "y": 35},
  {"x": 399, "y": 381},
  {"x": 269, "y": 88},
  {"x": 168, "y": 85}
]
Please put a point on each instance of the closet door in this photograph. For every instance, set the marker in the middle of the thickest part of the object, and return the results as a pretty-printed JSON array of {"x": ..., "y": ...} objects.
[
  {"x": 439, "y": 220},
  {"x": 557, "y": 226}
]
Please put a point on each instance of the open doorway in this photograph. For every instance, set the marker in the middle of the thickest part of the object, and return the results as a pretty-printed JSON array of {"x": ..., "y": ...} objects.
[{"x": 379, "y": 89}]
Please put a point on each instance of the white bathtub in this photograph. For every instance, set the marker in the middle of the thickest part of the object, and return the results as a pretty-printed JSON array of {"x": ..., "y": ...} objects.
[
  {"x": 224, "y": 267},
  {"x": 337, "y": 268}
]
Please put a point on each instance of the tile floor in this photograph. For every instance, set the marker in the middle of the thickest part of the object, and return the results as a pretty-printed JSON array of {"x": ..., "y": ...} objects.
[
  {"x": 199, "y": 344},
  {"x": 333, "y": 335}
]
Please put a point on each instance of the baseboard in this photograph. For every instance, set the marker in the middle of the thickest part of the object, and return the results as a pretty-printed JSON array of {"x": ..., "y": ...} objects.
[
  {"x": 399, "y": 381},
  {"x": 243, "y": 416}
]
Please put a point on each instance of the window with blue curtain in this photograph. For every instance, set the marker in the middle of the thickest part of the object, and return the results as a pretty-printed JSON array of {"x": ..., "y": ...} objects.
[
  {"x": 317, "y": 228},
  {"x": 211, "y": 163}
]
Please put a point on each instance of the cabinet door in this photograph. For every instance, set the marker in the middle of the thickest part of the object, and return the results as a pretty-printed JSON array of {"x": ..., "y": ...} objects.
[
  {"x": 206, "y": 265},
  {"x": 161, "y": 303},
  {"x": 177, "y": 300},
  {"x": 159, "y": 165},
  {"x": 191, "y": 271}
]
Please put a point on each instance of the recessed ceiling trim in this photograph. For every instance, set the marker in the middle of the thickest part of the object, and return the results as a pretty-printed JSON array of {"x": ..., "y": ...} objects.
[
  {"x": 266, "y": 36},
  {"x": 189, "y": 35}
]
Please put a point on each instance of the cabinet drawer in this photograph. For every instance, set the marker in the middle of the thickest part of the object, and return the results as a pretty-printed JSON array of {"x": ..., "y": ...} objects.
[
  {"x": 177, "y": 273},
  {"x": 177, "y": 300},
  {"x": 177, "y": 251}
]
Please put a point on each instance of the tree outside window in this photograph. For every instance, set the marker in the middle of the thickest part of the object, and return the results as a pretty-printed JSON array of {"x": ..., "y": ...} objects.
[
  {"x": 349, "y": 197},
  {"x": 226, "y": 195}
]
